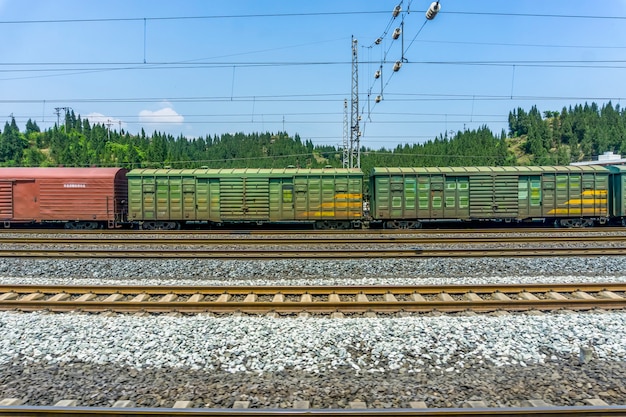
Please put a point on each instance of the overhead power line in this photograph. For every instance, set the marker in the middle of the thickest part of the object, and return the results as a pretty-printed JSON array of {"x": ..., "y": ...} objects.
[
  {"x": 312, "y": 14},
  {"x": 154, "y": 18}
]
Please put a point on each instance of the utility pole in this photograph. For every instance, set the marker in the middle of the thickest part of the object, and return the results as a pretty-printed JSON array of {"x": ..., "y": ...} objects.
[
  {"x": 57, "y": 111},
  {"x": 355, "y": 133},
  {"x": 346, "y": 136},
  {"x": 109, "y": 123}
]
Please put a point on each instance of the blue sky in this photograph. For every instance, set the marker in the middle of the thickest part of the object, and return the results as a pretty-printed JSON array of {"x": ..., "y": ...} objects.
[{"x": 206, "y": 67}]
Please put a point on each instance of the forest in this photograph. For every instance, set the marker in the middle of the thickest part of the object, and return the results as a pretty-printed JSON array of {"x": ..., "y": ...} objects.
[{"x": 534, "y": 138}]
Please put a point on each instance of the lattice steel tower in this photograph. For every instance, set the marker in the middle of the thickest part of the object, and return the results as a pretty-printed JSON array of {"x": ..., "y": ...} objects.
[{"x": 355, "y": 133}]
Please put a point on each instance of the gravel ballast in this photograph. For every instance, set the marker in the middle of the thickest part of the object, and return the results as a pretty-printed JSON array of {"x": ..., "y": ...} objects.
[
  {"x": 215, "y": 361},
  {"x": 431, "y": 271},
  {"x": 272, "y": 362}
]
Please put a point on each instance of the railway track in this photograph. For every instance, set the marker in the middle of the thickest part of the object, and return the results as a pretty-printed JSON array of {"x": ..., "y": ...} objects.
[
  {"x": 315, "y": 239},
  {"x": 308, "y": 253},
  {"x": 290, "y": 300},
  {"x": 581, "y": 411},
  {"x": 311, "y": 232}
]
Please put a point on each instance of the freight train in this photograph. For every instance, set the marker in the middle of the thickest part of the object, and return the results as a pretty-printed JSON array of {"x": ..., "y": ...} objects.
[{"x": 328, "y": 198}]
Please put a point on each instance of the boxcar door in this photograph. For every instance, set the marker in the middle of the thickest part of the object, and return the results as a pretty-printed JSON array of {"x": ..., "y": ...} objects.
[
  {"x": 436, "y": 197},
  {"x": 256, "y": 198},
  {"x": 548, "y": 197},
  {"x": 287, "y": 201},
  {"x": 148, "y": 190},
  {"x": 529, "y": 196},
  {"x": 505, "y": 203},
  {"x": 396, "y": 194},
  {"x": 189, "y": 198},
  {"x": 6, "y": 200}
]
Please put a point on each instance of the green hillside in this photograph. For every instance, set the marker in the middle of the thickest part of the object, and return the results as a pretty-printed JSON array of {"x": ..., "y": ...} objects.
[{"x": 534, "y": 138}]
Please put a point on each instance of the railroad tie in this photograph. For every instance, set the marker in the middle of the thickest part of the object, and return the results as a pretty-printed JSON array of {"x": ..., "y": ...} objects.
[
  {"x": 168, "y": 298},
  {"x": 474, "y": 404},
  {"x": 250, "y": 298},
  {"x": 11, "y": 401},
  {"x": 334, "y": 298},
  {"x": 241, "y": 404},
  {"x": 140, "y": 298},
  {"x": 124, "y": 404},
  {"x": 582, "y": 295},
  {"x": 470, "y": 296},
  {"x": 389, "y": 298},
  {"x": 62, "y": 296},
  {"x": 33, "y": 296},
  {"x": 555, "y": 295},
  {"x": 524, "y": 295},
  {"x": 418, "y": 404},
  {"x": 183, "y": 404},
  {"x": 596, "y": 402},
  {"x": 301, "y": 405},
  {"x": 444, "y": 296},
  {"x": 278, "y": 298},
  {"x": 8, "y": 296},
  {"x": 113, "y": 298},
  {"x": 361, "y": 298},
  {"x": 417, "y": 298},
  {"x": 609, "y": 294},
  {"x": 195, "y": 298},
  {"x": 86, "y": 297},
  {"x": 66, "y": 403},
  {"x": 536, "y": 403},
  {"x": 358, "y": 404},
  {"x": 223, "y": 298},
  {"x": 500, "y": 296}
]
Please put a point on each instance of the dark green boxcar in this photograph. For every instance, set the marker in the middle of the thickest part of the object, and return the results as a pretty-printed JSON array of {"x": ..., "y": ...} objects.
[
  {"x": 568, "y": 195},
  {"x": 167, "y": 198},
  {"x": 618, "y": 193}
]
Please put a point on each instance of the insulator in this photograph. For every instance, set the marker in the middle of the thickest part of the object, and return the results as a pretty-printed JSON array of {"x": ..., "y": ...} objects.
[
  {"x": 396, "y": 66},
  {"x": 378, "y": 41},
  {"x": 378, "y": 99},
  {"x": 396, "y": 33},
  {"x": 397, "y": 10},
  {"x": 433, "y": 10},
  {"x": 377, "y": 74}
]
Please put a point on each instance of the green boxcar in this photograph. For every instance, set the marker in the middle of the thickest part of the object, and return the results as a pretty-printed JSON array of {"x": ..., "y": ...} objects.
[
  {"x": 167, "y": 198},
  {"x": 618, "y": 194},
  {"x": 568, "y": 195}
]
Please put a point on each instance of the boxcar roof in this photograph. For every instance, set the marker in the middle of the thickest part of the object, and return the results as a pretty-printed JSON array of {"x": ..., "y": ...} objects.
[
  {"x": 490, "y": 170},
  {"x": 58, "y": 172},
  {"x": 617, "y": 168},
  {"x": 261, "y": 172}
]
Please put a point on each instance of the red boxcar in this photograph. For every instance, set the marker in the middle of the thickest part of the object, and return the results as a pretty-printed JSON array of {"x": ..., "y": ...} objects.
[{"x": 82, "y": 198}]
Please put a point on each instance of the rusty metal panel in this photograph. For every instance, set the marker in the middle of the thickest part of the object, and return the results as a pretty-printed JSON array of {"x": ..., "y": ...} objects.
[
  {"x": 6, "y": 200},
  {"x": 67, "y": 194}
]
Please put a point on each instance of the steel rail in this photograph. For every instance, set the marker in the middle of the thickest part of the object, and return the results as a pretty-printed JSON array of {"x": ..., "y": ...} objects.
[
  {"x": 316, "y": 290},
  {"x": 313, "y": 254},
  {"x": 380, "y": 239},
  {"x": 327, "y": 299},
  {"x": 557, "y": 411},
  {"x": 288, "y": 231}
]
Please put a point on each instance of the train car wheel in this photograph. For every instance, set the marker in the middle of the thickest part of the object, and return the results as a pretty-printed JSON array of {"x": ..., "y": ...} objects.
[
  {"x": 575, "y": 223},
  {"x": 392, "y": 224},
  {"x": 82, "y": 225},
  {"x": 148, "y": 226},
  {"x": 342, "y": 225}
]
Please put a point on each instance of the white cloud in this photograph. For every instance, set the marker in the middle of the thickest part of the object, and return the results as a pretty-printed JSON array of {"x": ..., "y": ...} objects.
[
  {"x": 99, "y": 118},
  {"x": 164, "y": 115}
]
